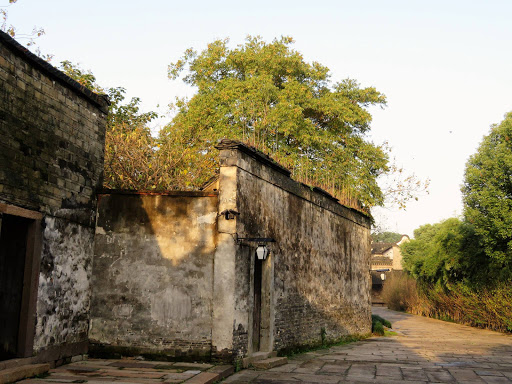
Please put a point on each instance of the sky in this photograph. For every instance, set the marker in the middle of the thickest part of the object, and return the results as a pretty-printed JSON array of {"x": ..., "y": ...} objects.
[{"x": 444, "y": 66}]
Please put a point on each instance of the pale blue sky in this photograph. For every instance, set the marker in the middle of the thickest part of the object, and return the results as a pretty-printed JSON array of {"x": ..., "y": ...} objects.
[{"x": 445, "y": 66}]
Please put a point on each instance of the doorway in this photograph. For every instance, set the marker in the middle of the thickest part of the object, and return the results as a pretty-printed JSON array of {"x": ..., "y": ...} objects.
[
  {"x": 263, "y": 311},
  {"x": 256, "y": 316},
  {"x": 19, "y": 276}
]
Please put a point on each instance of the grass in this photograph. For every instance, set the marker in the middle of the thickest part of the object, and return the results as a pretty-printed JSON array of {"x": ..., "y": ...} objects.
[
  {"x": 378, "y": 328},
  {"x": 378, "y": 324},
  {"x": 384, "y": 322}
]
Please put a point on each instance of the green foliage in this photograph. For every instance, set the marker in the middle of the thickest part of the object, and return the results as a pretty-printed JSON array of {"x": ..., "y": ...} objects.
[
  {"x": 487, "y": 193},
  {"x": 465, "y": 267},
  {"x": 122, "y": 115},
  {"x": 136, "y": 160},
  {"x": 378, "y": 328},
  {"x": 383, "y": 321},
  {"x": 444, "y": 253},
  {"x": 378, "y": 324},
  {"x": 133, "y": 159},
  {"x": 386, "y": 237},
  {"x": 323, "y": 335},
  {"x": 83, "y": 77},
  {"x": 267, "y": 95}
]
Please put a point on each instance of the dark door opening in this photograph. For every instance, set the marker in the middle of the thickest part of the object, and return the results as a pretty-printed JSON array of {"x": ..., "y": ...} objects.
[
  {"x": 13, "y": 249},
  {"x": 256, "y": 317}
]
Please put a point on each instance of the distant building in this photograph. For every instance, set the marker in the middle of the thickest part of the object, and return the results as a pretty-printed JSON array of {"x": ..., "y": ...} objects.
[
  {"x": 385, "y": 258},
  {"x": 387, "y": 255}
]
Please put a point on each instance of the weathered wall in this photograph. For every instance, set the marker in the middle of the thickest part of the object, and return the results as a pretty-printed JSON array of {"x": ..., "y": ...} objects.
[
  {"x": 51, "y": 161},
  {"x": 172, "y": 276},
  {"x": 397, "y": 258},
  {"x": 153, "y": 274},
  {"x": 318, "y": 273}
]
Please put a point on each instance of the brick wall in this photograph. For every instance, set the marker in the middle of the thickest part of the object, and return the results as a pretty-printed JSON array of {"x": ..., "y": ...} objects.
[
  {"x": 51, "y": 157},
  {"x": 52, "y": 133}
]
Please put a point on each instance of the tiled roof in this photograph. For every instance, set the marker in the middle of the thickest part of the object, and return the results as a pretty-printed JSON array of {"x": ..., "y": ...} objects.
[
  {"x": 381, "y": 260},
  {"x": 379, "y": 248}
]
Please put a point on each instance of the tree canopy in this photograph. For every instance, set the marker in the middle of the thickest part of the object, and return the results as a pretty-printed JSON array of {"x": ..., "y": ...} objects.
[
  {"x": 386, "y": 237},
  {"x": 131, "y": 161},
  {"x": 267, "y": 95},
  {"x": 476, "y": 251},
  {"x": 445, "y": 253},
  {"x": 487, "y": 194}
]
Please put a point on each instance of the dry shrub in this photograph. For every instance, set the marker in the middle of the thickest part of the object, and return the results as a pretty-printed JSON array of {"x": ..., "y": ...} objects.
[
  {"x": 485, "y": 308},
  {"x": 136, "y": 160},
  {"x": 400, "y": 292}
]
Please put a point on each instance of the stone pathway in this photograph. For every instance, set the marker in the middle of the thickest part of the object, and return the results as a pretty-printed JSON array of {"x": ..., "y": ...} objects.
[
  {"x": 425, "y": 351},
  {"x": 98, "y": 371}
]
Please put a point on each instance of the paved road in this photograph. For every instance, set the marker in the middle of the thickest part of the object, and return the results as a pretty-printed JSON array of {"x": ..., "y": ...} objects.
[{"x": 425, "y": 351}]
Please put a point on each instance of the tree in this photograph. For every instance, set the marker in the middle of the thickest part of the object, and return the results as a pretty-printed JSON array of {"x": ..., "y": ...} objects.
[
  {"x": 487, "y": 195},
  {"x": 131, "y": 156},
  {"x": 445, "y": 253},
  {"x": 386, "y": 237},
  {"x": 13, "y": 32},
  {"x": 134, "y": 158},
  {"x": 267, "y": 95}
]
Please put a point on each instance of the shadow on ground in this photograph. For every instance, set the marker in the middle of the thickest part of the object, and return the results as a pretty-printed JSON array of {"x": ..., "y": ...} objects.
[{"x": 424, "y": 351}]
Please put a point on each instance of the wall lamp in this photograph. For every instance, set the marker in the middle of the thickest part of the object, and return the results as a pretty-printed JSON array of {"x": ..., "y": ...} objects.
[
  {"x": 382, "y": 273},
  {"x": 262, "y": 252}
]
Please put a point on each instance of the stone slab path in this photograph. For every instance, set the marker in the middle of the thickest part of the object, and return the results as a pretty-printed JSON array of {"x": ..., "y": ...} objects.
[
  {"x": 99, "y": 371},
  {"x": 425, "y": 351}
]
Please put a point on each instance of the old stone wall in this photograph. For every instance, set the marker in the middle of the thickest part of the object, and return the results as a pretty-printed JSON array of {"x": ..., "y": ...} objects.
[
  {"x": 153, "y": 275},
  {"x": 52, "y": 134},
  {"x": 316, "y": 281}
]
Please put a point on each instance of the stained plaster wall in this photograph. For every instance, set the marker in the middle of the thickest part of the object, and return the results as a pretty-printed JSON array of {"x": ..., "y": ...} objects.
[
  {"x": 317, "y": 274},
  {"x": 153, "y": 275},
  {"x": 51, "y": 161}
]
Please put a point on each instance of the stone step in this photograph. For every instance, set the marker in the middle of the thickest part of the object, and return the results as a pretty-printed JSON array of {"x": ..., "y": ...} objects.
[
  {"x": 14, "y": 374},
  {"x": 257, "y": 356},
  {"x": 270, "y": 363},
  {"x": 263, "y": 355},
  {"x": 204, "y": 378},
  {"x": 223, "y": 371},
  {"x": 213, "y": 375}
]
